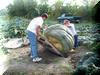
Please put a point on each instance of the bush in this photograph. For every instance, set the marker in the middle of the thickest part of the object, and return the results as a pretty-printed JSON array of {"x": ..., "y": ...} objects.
[
  {"x": 14, "y": 28},
  {"x": 90, "y": 63}
]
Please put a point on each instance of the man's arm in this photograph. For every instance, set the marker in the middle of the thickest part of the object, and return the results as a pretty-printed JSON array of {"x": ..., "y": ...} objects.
[{"x": 38, "y": 31}]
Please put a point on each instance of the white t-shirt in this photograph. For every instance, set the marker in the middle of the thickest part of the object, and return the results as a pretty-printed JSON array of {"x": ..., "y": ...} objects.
[
  {"x": 38, "y": 21},
  {"x": 72, "y": 29}
]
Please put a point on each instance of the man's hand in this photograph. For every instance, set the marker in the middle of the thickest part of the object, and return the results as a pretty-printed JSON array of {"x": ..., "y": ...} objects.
[
  {"x": 38, "y": 37},
  {"x": 41, "y": 41}
]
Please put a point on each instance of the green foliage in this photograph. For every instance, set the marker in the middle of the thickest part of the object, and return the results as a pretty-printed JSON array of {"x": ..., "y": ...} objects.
[
  {"x": 17, "y": 9},
  {"x": 14, "y": 28},
  {"x": 96, "y": 34},
  {"x": 88, "y": 65},
  {"x": 96, "y": 48},
  {"x": 55, "y": 10},
  {"x": 43, "y": 8},
  {"x": 85, "y": 29},
  {"x": 27, "y": 8},
  {"x": 30, "y": 9},
  {"x": 50, "y": 22}
]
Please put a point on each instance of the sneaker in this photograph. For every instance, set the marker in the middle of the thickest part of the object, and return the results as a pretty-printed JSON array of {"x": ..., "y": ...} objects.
[
  {"x": 31, "y": 56},
  {"x": 37, "y": 59},
  {"x": 72, "y": 50}
]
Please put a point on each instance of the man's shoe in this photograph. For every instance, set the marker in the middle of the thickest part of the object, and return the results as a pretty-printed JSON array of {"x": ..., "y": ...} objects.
[
  {"x": 37, "y": 59},
  {"x": 72, "y": 50},
  {"x": 31, "y": 56}
]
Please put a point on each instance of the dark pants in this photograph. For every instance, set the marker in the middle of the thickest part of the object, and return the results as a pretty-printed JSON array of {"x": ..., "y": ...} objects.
[{"x": 75, "y": 41}]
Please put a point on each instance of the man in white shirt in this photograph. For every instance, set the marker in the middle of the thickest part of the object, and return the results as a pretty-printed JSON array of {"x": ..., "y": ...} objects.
[
  {"x": 34, "y": 32},
  {"x": 72, "y": 31}
]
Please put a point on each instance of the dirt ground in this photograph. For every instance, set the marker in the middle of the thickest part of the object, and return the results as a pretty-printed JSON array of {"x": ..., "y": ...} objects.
[{"x": 20, "y": 62}]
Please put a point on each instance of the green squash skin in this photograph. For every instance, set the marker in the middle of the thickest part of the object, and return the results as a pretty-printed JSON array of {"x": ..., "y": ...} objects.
[{"x": 60, "y": 33}]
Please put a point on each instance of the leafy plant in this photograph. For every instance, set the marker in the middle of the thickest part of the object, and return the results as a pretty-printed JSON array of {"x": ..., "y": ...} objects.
[
  {"x": 88, "y": 65},
  {"x": 14, "y": 28}
]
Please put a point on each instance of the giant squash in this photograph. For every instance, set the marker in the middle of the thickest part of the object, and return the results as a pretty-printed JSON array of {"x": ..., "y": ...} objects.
[{"x": 59, "y": 38}]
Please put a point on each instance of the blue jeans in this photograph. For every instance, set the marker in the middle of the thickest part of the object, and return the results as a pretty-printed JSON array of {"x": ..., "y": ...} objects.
[
  {"x": 33, "y": 44},
  {"x": 75, "y": 41}
]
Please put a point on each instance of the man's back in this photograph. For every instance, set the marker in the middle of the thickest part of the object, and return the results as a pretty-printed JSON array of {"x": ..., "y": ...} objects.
[{"x": 38, "y": 21}]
